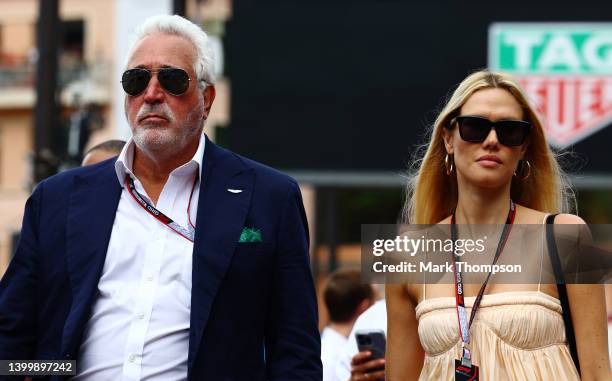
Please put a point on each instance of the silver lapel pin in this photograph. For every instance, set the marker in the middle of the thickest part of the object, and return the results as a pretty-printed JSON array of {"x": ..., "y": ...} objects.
[{"x": 235, "y": 191}]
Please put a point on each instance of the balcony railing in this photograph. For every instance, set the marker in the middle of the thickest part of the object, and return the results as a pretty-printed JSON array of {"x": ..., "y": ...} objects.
[
  {"x": 17, "y": 77},
  {"x": 76, "y": 83},
  {"x": 25, "y": 76}
]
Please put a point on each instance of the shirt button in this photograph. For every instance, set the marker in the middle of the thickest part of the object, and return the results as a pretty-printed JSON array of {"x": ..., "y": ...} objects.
[
  {"x": 131, "y": 358},
  {"x": 140, "y": 316},
  {"x": 150, "y": 278}
]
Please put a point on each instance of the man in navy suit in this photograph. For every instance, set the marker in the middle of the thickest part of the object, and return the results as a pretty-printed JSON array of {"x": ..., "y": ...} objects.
[{"x": 176, "y": 260}]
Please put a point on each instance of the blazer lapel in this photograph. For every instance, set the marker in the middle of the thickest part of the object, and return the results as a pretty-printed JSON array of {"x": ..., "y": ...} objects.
[
  {"x": 221, "y": 217},
  {"x": 90, "y": 216}
]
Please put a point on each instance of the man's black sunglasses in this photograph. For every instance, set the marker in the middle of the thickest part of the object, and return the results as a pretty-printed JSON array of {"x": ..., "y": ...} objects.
[
  {"x": 475, "y": 129},
  {"x": 173, "y": 80}
]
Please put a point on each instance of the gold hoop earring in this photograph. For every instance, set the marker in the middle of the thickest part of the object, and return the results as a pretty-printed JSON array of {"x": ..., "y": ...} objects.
[
  {"x": 522, "y": 166},
  {"x": 449, "y": 168}
]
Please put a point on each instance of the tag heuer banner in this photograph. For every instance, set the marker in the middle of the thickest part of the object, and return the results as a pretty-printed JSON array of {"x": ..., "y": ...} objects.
[{"x": 566, "y": 70}]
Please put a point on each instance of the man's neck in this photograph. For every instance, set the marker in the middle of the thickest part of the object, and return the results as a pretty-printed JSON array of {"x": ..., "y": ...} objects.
[
  {"x": 343, "y": 329},
  {"x": 154, "y": 168},
  {"x": 482, "y": 205}
]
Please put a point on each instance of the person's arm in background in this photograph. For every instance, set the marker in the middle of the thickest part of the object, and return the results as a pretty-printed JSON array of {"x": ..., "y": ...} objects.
[
  {"x": 293, "y": 343},
  {"x": 353, "y": 365},
  {"x": 18, "y": 290},
  {"x": 364, "y": 368},
  {"x": 404, "y": 352}
]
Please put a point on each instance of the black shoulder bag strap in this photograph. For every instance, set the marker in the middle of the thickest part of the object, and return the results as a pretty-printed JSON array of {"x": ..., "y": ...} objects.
[{"x": 556, "y": 264}]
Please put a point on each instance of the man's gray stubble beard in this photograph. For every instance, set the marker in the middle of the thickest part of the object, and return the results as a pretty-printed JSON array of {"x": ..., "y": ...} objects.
[
  {"x": 167, "y": 138},
  {"x": 143, "y": 139}
]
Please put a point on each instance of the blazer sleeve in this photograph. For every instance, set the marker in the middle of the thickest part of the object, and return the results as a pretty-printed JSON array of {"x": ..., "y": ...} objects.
[
  {"x": 293, "y": 343},
  {"x": 18, "y": 289}
]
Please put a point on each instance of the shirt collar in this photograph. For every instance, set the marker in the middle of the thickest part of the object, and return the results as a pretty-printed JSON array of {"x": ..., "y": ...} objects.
[{"x": 125, "y": 161}]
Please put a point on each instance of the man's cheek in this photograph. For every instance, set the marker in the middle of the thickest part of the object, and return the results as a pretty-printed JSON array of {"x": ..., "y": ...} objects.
[{"x": 131, "y": 112}]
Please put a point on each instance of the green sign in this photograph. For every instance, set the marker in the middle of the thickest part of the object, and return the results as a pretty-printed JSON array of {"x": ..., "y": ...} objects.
[{"x": 551, "y": 48}]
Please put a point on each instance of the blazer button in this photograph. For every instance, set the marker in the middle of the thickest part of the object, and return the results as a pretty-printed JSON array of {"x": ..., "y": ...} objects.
[{"x": 67, "y": 355}]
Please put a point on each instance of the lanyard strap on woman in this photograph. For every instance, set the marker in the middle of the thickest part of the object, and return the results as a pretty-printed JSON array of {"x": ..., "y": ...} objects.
[
  {"x": 464, "y": 325},
  {"x": 188, "y": 233}
]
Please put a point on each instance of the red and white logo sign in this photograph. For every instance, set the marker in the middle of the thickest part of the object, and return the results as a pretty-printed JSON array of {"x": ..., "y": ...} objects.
[
  {"x": 572, "y": 107},
  {"x": 566, "y": 70}
]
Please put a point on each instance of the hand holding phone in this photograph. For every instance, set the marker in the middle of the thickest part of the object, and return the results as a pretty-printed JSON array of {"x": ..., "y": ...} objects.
[
  {"x": 372, "y": 341},
  {"x": 371, "y": 357}
]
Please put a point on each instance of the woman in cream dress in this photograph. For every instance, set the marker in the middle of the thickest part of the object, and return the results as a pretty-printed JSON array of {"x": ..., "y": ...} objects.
[{"x": 518, "y": 331}]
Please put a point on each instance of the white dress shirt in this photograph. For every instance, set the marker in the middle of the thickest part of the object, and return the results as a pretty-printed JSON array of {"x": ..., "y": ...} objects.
[
  {"x": 139, "y": 325},
  {"x": 374, "y": 318},
  {"x": 332, "y": 345}
]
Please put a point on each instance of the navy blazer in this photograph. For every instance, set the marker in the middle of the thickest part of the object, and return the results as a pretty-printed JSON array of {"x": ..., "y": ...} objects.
[{"x": 253, "y": 305}]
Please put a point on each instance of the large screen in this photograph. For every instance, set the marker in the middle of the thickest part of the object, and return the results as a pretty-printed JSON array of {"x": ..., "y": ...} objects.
[{"x": 353, "y": 85}]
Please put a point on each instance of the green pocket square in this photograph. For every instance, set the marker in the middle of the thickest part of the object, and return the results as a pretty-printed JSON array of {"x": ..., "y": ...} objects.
[{"x": 250, "y": 235}]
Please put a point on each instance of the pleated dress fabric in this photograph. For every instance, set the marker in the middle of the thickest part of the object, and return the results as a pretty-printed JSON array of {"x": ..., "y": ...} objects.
[{"x": 514, "y": 336}]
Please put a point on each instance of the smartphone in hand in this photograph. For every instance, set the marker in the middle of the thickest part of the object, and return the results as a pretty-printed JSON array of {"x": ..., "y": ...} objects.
[{"x": 372, "y": 341}]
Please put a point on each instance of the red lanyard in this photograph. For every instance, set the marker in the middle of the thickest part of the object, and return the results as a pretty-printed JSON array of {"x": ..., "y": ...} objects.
[
  {"x": 187, "y": 233},
  {"x": 464, "y": 325}
]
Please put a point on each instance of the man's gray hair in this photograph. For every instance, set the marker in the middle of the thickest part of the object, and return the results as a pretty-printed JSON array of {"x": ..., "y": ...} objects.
[{"x": 179, "y": 26}]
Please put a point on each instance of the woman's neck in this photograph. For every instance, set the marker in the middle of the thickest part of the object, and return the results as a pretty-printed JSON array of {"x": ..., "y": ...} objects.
[{"x": 483, "y": 205}]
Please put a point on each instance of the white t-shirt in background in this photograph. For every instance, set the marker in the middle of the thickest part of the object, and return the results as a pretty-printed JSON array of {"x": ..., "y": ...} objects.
[{"x": 332, "y": 345}]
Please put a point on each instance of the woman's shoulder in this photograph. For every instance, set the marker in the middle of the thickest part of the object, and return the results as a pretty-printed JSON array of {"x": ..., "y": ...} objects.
[
  {"x": 445, "y": 221},
  {"x": 566, "y": 218},
  {"x": 532, "y": 216}
]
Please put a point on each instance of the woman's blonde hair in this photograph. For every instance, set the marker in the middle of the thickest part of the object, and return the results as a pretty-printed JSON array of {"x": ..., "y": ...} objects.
[{"x": 431, "y": 194}]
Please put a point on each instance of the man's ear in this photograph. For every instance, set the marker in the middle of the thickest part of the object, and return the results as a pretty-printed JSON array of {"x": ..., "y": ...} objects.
[
  {"x": 448, "y": 136},
  {"x": 209, "y": 96},
  {"x": 364, "y": 305}
]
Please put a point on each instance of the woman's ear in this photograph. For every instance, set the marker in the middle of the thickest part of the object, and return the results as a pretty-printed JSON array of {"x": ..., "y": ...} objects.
[
  {"x": 448, "y": 136},
  {"x": 524, "y": 149}
]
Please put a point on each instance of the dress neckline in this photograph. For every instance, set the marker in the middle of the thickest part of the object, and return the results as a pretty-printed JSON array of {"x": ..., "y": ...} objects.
[{"x": 489, "y": 300}]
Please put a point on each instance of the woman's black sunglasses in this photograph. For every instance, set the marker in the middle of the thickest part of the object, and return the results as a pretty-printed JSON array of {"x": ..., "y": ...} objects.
[
  {"x": 173, "y": 80},
  {"x": 475, "y": 129}
]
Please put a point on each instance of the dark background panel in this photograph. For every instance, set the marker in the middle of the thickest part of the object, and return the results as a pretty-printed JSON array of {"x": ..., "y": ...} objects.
[{"x": 352, "y": 85}]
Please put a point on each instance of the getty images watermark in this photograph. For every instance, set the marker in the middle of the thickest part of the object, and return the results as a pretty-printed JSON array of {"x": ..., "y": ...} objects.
[
  {"x": 424, "y": 253},
  {"x": 413, "y": 246}
]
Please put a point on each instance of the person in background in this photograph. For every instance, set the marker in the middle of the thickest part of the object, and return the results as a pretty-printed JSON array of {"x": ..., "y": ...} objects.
[
  {"x": 103, "y": 151},
  {"x": 345, "y": 298},
  {"x": 353, "y": 365}
]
